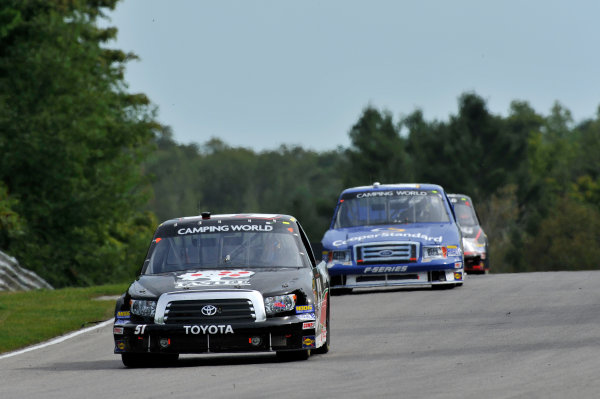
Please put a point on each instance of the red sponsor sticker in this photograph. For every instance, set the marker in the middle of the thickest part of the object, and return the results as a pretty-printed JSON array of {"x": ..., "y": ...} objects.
[{"x": 306, "y": 326}]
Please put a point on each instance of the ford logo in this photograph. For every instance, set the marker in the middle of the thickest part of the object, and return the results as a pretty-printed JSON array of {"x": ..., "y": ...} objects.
[
  {"x": 209, "y": 310},
  {"x": 386, "y": 252}
]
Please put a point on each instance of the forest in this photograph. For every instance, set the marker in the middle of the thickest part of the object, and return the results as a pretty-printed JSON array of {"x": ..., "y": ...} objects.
[{"x": 87, "y": 172}]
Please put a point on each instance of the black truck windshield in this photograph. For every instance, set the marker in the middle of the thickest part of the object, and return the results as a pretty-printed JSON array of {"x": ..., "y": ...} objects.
[{"x": 225, "y": 250}]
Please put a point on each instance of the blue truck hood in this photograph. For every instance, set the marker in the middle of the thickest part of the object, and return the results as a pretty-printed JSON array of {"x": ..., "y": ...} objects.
[{"x": 424, "y": 233}]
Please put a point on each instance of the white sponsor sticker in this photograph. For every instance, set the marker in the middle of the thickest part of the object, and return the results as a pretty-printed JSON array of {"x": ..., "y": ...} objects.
[
  {"x": 225, "y": 227},
  {"x": 391, "y": 234},
  {"x": 386, "y": 269},
  {"x": 209, "y": 329},
  {"x": 308, "y": 325},
  {"x": 306, "y": 316},
  {"x": 214, "y": 278}
]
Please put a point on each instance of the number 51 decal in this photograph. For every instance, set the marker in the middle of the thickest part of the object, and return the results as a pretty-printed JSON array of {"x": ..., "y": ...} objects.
[{"x": 139, "y": 329}]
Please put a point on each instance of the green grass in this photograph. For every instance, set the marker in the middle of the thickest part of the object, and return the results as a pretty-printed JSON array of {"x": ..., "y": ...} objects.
[{"x": 30, "y": 317}]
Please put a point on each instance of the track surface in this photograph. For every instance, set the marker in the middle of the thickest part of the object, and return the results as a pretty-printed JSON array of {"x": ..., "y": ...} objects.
[{"x": 531, "y": 335}]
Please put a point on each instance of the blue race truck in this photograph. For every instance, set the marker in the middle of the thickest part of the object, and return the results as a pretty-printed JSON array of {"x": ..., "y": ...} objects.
[{"x": 393, "y": 235}]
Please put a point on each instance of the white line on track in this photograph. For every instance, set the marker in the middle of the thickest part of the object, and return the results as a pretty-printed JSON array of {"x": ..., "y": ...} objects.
[{"x": 56, "y": 340}]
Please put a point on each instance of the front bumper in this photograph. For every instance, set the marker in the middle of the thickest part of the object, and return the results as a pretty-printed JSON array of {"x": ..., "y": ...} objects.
[
  {"x": 274, "y": 334},
  {"x": 475, "y": 263},
  {"x": 385, "y": 275}
]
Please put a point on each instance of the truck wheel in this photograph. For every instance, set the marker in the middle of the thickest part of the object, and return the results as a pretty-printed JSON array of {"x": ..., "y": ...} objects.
[{"x": 134, "y": 360}]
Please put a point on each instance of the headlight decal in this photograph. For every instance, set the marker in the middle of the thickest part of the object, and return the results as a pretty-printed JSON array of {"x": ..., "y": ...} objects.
[
  {"x": 142, "y": 307},
  {"x": 434, "y": 252},
  {"x": 280, "y": 303},
  {"x": 340, "y": 256}
]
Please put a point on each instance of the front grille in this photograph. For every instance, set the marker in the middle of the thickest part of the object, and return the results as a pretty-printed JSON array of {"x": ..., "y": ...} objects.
[
  {"x": 225, "y": 306},
  {"x": 227, "y": 310},
  {"x": 386, "y": 252}
]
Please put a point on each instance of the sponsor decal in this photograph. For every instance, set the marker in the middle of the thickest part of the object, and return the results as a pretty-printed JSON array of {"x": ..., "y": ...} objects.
[
  {"x": 123, "y": 317},
  {"x": 458, "y": 276},
  {"x": 304, "y": 309},
  {"x": 453, "y": 251},
  {"x": 214, "y": 278},
  {"x": 140, "y": 329},
  {"x": 308, "y": 341},
  {"x": 378, "y": 233},
  {"x": 306, "y": 326},
  {"x": 370, "y": 194},
  {"x": 208, "y": 329},
  {"x": 324, "y": 306},
  {"x": 118, "y": 330},
  {"x": 224, "y": 227},
  {"x": 322, "y": 337},
  {"x": 457, "y": 265},
  {"x": 306, "y": 316},
  {"x": 119, "y": 346},
  {"x": 386, "y": 269}
]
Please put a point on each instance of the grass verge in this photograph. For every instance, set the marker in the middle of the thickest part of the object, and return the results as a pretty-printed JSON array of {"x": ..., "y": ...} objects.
[{"x": 27, "y": 318}]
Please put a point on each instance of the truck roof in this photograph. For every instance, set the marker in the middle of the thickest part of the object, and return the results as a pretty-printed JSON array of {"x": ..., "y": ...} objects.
[
  {"x": 395, "y": 186},
  {"x": 206, "y": 216}
]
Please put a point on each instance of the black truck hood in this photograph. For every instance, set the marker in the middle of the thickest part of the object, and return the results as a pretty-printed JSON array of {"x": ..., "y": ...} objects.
[{"x": 271, "y": 281}]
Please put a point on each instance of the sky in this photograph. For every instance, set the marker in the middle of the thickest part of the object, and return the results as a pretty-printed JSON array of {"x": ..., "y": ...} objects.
[{"x": 261, "y": 73}]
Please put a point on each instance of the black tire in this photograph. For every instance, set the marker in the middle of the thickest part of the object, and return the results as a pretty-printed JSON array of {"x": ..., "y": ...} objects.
[{"x": 135, "y": 360}]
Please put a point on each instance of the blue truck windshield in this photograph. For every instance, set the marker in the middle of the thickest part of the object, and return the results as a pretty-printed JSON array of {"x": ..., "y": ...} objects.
[{"x": 390, "y": 207}]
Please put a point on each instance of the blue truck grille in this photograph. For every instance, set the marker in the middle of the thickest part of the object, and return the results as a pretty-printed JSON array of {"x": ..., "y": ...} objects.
[{"x": 386, "y": 253}]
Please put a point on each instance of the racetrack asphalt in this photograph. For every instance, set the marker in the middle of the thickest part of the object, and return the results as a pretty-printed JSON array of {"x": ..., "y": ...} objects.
[{"x": 528, "y": 335}]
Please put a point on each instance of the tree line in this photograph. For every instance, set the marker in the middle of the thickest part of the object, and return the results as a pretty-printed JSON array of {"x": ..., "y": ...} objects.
[
  {"x": 534, "y": 178},
  {"x": 87, "y": 172}
]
